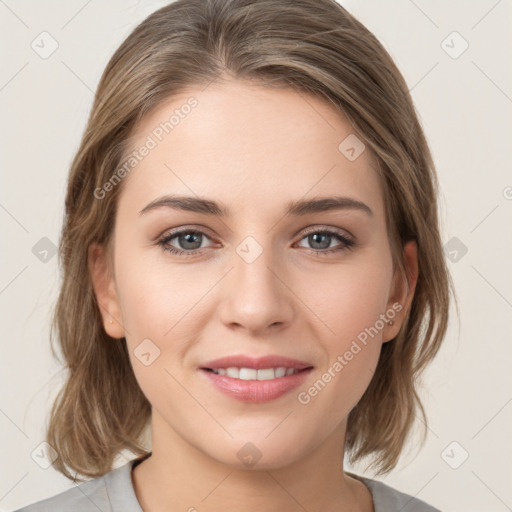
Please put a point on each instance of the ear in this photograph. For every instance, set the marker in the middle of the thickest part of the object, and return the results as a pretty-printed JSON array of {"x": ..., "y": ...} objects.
[
  {"x": 402, "y": 291},
  {"x": 105, "y": 290}
]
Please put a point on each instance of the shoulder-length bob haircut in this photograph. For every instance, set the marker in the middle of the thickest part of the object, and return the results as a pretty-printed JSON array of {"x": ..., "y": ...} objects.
[{"x": 311, "y": 46}]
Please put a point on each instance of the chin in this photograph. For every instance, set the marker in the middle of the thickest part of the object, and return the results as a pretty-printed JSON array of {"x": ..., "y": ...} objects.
[{"x": 257, "y": 453}]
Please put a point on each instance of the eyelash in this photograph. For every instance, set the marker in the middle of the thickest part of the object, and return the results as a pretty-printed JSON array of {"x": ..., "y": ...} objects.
[{"x": 348, "y": 243}]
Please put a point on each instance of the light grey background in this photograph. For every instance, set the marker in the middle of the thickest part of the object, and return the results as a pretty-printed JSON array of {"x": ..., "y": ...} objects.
[{"x": 465, "y": 106}]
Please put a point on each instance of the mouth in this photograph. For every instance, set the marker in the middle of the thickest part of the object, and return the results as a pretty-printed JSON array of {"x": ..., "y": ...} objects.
[
  {"x": 256, "y": 379},
  {"x": 256, "y": 374}
]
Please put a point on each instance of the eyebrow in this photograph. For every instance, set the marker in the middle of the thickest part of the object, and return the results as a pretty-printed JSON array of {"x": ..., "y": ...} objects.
[{"x": 296, "y": 208}]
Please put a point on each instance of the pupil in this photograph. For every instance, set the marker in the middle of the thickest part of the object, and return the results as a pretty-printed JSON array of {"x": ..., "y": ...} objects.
[
  {"x": 190, "y": 238},
  {"x": 314, "y": 240}
]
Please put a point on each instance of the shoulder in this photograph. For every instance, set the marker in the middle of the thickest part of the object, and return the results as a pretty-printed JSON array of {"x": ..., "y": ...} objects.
[
  {"x": 387, "y": 499},
  {"x": 108, "y": 493},
  {"x": 83, "y": 497}
]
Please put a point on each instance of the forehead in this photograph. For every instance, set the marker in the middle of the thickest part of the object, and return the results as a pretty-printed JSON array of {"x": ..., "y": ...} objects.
[{"x": 244, "y": 143}]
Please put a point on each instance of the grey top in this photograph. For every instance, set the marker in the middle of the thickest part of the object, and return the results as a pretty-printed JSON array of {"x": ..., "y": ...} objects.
[{"x": 113, "y": 492}]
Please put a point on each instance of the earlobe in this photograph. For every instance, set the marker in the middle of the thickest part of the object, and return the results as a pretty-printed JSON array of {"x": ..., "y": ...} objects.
[
  {"x": 402, "y": 291},
  {"x": 104, "y": 290}
]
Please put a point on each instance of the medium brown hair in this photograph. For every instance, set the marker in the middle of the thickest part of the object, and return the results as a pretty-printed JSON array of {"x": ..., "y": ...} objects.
[{"x": 310, "y": 46}]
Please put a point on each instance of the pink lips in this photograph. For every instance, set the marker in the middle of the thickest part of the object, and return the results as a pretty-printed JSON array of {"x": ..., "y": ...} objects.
[{"x": 255, "y": 390}]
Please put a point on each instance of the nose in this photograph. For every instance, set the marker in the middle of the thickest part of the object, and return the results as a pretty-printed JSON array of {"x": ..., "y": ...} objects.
[{"x": 256, "y": 296}]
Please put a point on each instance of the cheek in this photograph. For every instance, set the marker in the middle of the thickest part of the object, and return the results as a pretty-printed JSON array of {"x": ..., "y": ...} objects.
[
  {"x": 349, "y": 298},
  {"x": 349, "y": 301},
  {"x": 164, "y": 309},
  {"x": 157, "y": 298}
]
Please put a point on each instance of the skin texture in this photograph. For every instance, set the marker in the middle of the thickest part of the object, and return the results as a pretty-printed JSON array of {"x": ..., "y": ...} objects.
[{"x": 253, "y": 149}]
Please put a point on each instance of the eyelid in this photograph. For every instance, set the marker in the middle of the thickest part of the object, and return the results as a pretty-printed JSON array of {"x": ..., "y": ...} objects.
[
  {"x": 332, "y": 229},
  {"x": 166, "y": 233}
]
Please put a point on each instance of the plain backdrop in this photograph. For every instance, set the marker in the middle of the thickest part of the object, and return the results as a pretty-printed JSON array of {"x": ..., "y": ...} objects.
[{"x": 464, "y": 100}]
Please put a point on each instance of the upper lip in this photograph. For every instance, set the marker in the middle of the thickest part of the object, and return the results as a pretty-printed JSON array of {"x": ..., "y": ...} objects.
[{"x": 258, "y": 363}]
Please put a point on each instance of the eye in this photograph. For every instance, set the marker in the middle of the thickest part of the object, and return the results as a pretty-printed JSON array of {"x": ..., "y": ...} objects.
[
  {"x": 191, "y": 241},
  {"x": 321, "y": 240},
  {"x": 188, "y": 240}
]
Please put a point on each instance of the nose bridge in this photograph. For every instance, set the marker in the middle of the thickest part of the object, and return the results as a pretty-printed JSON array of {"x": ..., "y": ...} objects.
[
  {"x": 257, "y": 297},
  {"x": 253, "y": 261}
]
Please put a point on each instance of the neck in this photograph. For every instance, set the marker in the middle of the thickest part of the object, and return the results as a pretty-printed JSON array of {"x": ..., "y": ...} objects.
[{"x": 178, "y": 476}]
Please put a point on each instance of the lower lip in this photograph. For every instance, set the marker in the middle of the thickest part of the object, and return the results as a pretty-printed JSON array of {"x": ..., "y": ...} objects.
[{"x": 257, "y": 390}]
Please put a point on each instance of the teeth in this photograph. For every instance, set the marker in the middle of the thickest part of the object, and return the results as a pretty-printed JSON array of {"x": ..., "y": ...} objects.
[
  {"x": 248, "y": 374},
  {"x": 265, "y": 374},
  {"x": 280, "y": 372},
  {"x": 253, "y": 374},
  {"x": 233, "y": 373}
]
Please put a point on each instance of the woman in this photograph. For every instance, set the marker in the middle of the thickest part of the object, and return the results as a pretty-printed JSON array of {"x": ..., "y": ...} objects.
[{"x": 252, "y": 267}]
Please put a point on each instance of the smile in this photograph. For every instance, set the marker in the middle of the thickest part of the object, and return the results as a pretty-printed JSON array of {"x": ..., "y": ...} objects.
[{"x": 253, "y": 374}]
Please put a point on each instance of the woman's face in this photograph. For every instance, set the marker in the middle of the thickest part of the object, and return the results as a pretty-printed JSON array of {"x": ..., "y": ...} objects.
[{"x": 285, "y": 272}]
